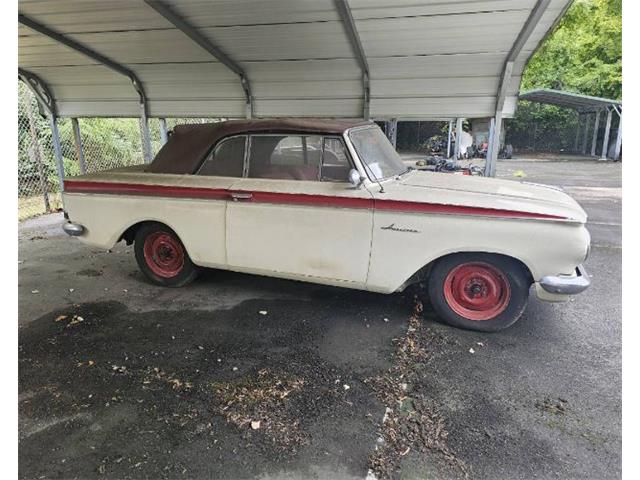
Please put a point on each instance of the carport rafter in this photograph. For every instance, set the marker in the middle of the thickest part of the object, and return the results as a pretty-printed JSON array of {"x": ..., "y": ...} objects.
[
  {"x": 505, "y": 80},
  {"x": 354, "y": 39},
  {"x": 47, "y": 101},
  {"x": 40, "y": 89},
  {"x": 103, "y": 60},
  {"x": 190, "y": 31}
]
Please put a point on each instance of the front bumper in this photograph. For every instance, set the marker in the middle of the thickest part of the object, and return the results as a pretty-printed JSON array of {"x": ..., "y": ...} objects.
[
  {"x": 73, "y": 229},
  {"x": 567, "y": 284}
]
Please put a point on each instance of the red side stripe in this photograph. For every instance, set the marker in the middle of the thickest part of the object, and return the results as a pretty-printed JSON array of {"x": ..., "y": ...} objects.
[
  {"x": 318, "y": 200},
  {"x": 403, "y": 206},
  {"x": 112, "y": 188},
  {"x": 117, "y": 188}
]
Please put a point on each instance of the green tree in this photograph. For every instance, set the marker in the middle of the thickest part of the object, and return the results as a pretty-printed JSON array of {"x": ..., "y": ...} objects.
[{"x": 583, "y": 55}]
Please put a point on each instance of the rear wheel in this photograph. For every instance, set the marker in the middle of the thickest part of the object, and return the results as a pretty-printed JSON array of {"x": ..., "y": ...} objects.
[
  {"x": 162, "y": 257},
  {"x": 478, "y": 291}
]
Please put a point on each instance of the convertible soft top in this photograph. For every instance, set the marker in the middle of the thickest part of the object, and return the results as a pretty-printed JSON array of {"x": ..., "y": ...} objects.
[{"x": 188, "y": 144}]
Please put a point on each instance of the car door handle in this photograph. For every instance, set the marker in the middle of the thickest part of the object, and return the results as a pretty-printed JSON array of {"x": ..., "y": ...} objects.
[{"x": 241, "y": 196}]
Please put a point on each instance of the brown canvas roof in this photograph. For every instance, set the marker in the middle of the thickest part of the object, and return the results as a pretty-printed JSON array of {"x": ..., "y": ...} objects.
[{"x": 190, "y": 143}]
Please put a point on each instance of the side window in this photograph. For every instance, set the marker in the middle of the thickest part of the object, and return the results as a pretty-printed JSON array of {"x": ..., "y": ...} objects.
[
  {"x": 227, "y": 159},
  {"x": 335, "y": 163},
  {"x": 286, "y": 157}
]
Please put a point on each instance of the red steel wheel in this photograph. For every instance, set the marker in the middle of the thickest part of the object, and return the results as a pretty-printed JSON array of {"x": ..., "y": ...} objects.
[
  {"x": 477, "y": 291},
  {"x": 163, "y": 254}
]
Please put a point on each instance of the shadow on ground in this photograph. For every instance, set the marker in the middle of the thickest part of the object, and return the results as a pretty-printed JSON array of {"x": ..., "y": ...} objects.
[{"x": 174, "y": 393}]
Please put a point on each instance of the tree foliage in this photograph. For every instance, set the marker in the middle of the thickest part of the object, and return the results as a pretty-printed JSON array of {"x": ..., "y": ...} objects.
[{"x": 583, "y": 55}]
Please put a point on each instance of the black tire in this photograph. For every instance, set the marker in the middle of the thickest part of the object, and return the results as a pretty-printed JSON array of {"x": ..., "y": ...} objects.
[
  {"x": 178, "y": 270},
  {"x": 510, "y": 298}
]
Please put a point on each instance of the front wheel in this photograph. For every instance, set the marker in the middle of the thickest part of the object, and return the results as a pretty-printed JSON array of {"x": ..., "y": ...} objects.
[
  {"x": 162, "y": 257},
  {"x": 478, "y": 291}
]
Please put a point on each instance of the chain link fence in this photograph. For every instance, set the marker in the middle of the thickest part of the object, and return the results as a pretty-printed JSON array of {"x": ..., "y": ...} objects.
[{"x": 106, "y": 143}]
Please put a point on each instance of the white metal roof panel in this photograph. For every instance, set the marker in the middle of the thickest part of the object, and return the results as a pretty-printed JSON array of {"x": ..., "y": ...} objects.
[{"x": 427, "y": 58}]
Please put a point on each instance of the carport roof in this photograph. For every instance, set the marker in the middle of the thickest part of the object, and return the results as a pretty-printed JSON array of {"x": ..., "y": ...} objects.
[
  {"x": 576, "y": 101},
  {"x": 421, "y": 59}
]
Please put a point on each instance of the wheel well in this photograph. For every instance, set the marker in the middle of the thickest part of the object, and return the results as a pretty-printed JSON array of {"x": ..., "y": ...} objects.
[
  {"x": 129, "y": 234},
  {"x": 422, "y": 274}
]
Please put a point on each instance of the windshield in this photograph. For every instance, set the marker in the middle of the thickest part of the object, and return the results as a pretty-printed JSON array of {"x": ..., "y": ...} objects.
[{"x": 380, "y": 158}]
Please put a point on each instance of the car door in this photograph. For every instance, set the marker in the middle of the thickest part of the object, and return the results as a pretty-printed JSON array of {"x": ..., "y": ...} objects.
[
  {"x": 290, "y": 219},
  {"x": 205, "y": 219}
]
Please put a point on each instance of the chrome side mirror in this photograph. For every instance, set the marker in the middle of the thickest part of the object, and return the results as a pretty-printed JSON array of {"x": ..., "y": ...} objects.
[{"x": 354, "y": 178}]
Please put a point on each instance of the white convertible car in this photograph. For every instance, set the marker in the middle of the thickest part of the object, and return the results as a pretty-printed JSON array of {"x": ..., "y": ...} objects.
[{"x": 330, "y": 202}]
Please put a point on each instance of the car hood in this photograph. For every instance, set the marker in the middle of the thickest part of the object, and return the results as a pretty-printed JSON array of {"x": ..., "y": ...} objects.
[{"x": 486, "y": 193}]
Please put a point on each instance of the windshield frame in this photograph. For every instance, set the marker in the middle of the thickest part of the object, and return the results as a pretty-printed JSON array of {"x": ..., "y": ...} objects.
[{"x": 365, "y": 165}]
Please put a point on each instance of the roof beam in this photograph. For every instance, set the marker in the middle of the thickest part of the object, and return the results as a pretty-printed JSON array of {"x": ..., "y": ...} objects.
[
  {"x": 505, "y": 80},
  {"x": 87, "y": 52},
  {"x": 354, "y": 39},
  {"x": 40, "y": 90},
  {"x": 532, "y": 22},
  {"x": 190, "y": 31},
  {"x": 107, "y": 62}
]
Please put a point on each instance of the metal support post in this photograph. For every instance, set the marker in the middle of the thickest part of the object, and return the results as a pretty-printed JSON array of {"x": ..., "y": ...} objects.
[
  {"x": 575, "y": 143},
  {"x": 587, "y": 119},
  {"x": 449, "y": 139},
  {"x": 616, "y": 152},
  {"x": 79, "y": 148},
  {"x": 594, "y": 138},
  {"x": 530, "y": 25},
  {"x": 146, "y": 136},
  {"x": 351, "y": 31},
  {"x": 57, "y": 152},
  {"x": 605, "y": 140},
  {"x": 456, "y": 151},
  {"x": 494, "y": 145},
  {"x": 164, "y": 136},
  {"x": 391, "y": 128}
]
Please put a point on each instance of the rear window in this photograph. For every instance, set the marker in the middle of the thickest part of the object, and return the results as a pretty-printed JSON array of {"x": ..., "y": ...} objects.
[{"x": 227, "y": 159}]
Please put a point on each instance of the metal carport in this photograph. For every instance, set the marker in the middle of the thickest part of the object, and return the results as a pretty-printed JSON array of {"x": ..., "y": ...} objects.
[
  {"x": 585, "y": 106},
  {"x": 407, "y": 59}
]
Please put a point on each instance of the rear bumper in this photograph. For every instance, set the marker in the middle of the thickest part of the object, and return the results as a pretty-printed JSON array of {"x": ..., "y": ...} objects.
[
  {"x": 566, "y": 284},
  {"x": 73, "y": 229}
]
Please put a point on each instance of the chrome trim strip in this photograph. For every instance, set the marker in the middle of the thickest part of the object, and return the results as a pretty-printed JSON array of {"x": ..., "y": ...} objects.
[{"x": 567, "y": 284}]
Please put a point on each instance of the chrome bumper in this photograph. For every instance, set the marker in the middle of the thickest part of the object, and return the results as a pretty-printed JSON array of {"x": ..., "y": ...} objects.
[
  {"x": 73, "y": 229},
  {"x": 567, "y": 284}
]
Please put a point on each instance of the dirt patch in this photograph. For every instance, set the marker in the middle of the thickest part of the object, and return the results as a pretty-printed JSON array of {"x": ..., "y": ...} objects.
[
  {"x": 411, "y": 422},
  {"x": 554, "y": 406},
  {"x": 260, "y": 403}
]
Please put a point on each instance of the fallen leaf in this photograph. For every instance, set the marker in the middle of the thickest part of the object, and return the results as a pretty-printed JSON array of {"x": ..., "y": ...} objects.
[
  {"x": 75, "y": 320},
  {"x": 60, "y": 318}
]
